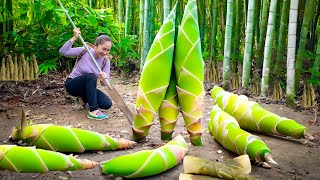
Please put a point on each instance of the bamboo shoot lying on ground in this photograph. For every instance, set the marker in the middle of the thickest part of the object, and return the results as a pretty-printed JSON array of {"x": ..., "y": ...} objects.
[
  {"x": 227, "y": 132},
  {"x": 155, "y": 78},
  {"x": 168, "y": 111},
  {"x": 189, "y": 69},
  {"x": 66, "y": 139},
  {"x": 147, "y": 162},
  {"x": 237, "y": 168},
  {"x": 32, "y": 160},
  {"x": 251, "y": 116}
]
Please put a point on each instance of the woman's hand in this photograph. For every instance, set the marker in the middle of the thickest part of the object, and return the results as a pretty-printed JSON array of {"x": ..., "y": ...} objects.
[
  {"x": 102, "y": 77},
  {"x": 109, "y": 57},
  {"x": 76, "y": 32}
]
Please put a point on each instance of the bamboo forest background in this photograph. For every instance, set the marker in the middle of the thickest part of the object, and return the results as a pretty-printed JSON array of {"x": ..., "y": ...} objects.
[{"x": 264, "y": 47}]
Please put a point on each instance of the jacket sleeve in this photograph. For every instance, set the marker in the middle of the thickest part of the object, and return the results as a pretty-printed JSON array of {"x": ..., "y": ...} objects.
[
  {"x": 69, "y": 51},
  {"x": 106, "y": 69}
]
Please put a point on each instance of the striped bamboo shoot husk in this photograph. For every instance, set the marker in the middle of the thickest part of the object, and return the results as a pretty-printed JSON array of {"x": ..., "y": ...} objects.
[
  {"x": 168, "y": 111},
  {"x": 189, "y": 69},
  {"x": 251, "y": 116},
  {"x": 147, "y": 162},
  {"x": 227, "y": 132},
  {"x": 32, "y": 160},
  {"x": 155, "y": 78},
  {"x": 66, "y": 139}
]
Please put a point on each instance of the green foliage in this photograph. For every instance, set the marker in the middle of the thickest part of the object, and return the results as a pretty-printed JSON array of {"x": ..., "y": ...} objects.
[
  {"x": 48, "y": 65},
  {"x": 127, "y": 53}
]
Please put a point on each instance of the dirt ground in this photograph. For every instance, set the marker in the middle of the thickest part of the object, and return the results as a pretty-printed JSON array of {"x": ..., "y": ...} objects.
[{"x": 46, "y": 102}]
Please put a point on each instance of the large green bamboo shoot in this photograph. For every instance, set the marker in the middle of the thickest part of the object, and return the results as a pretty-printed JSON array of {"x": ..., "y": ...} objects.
[
  {"x": 32, "y": 160},
  {"x": 66, "y": 139},
  {"x": 189, "y": 69},
  {"x": 237, "y": 168},
  {"x": 168, "y": 111},
  {"x": 147, "y": 162},
  {"x": 227, "y": 132},
  {"x": 251, "y": 116},
  {"x": 155, "y": 78}
]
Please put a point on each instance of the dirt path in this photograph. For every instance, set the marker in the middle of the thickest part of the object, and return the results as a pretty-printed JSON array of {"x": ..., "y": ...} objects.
[{"x": 47, "y": 103}]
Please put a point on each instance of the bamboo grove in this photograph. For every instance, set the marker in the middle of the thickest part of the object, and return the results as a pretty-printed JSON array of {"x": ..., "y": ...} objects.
[{"x": 264, "y": 47}]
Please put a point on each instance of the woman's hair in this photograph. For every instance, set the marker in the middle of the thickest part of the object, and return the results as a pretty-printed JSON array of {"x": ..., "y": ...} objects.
[{"x": 102, "y": 38}]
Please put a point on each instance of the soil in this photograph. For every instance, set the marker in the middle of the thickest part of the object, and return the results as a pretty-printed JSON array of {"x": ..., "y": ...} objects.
[{"x": 46, "y": 101}]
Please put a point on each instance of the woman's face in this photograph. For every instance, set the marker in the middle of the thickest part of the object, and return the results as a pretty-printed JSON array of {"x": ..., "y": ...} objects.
[{"x": 103, "y": 49}]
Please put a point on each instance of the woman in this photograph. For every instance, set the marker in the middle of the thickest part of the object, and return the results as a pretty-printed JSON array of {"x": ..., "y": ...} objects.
[{"x": 82, "y": 81}]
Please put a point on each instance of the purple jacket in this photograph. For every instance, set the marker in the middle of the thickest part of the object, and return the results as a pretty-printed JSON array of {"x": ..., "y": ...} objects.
[{"x": 85, "y": 64}]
